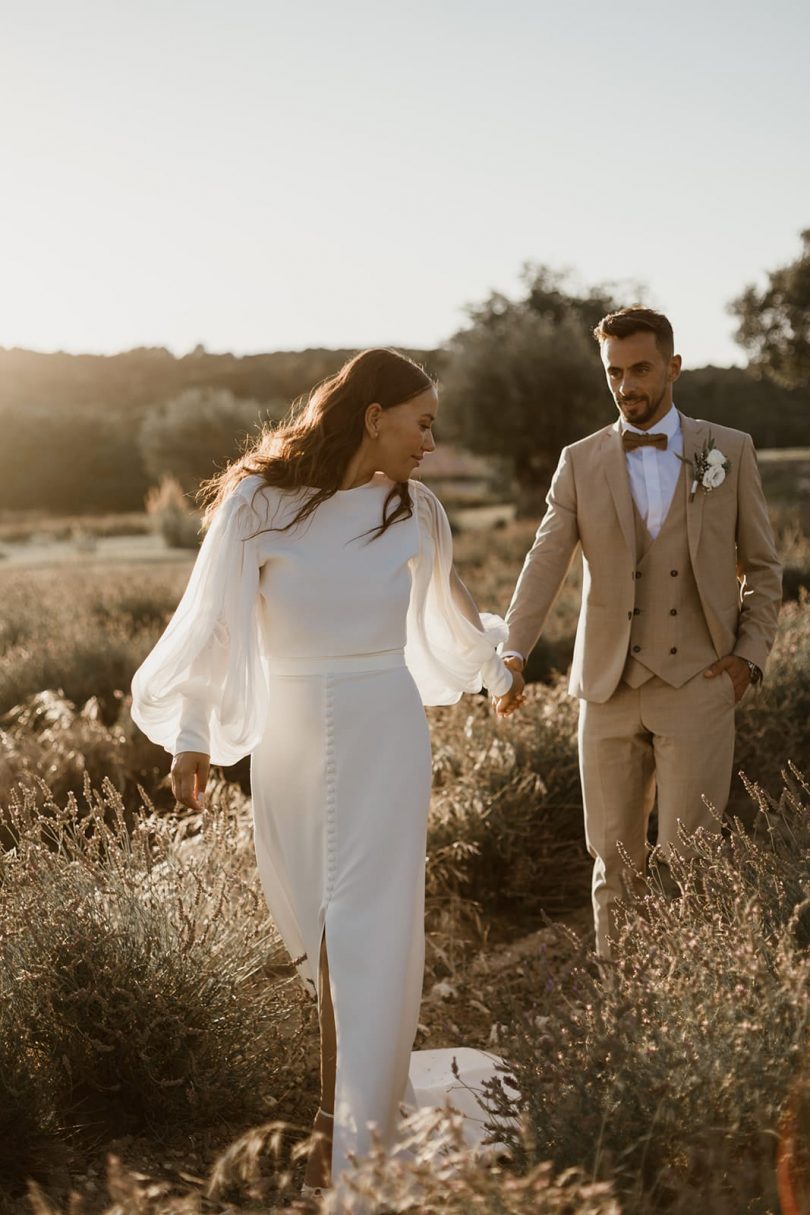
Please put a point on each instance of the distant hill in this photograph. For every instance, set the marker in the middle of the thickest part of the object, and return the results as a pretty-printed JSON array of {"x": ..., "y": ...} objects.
[
  {"x": 135, "y": 380},
  {"x": 69, "y": 424},
  {"x": 774, "y": 416},
  {"x": 127, "y": 384}
]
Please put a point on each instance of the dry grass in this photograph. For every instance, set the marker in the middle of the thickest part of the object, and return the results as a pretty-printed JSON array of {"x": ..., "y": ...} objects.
[
  {"x": 656, "y": 1085},
  {"x": 84, "y": 634}
]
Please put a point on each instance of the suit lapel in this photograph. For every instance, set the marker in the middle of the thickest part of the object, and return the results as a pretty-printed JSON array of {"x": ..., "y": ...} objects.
[
  {"x": 615, "y": 466},
  {"x": 694, "y": 436}
]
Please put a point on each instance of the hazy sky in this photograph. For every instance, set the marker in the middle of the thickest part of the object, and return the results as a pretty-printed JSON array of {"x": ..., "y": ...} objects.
[{"x": 265, "y": 175}]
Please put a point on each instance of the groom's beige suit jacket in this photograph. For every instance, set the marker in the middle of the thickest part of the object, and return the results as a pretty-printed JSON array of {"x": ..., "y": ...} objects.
[{"x": 730, "y": 546}]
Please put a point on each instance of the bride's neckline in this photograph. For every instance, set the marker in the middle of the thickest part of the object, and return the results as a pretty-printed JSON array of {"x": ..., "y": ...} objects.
[{"x": 377, "y": 478}]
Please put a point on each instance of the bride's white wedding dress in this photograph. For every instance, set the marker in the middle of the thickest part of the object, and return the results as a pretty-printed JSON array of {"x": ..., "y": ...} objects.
[{"x": 314, "y": 651}]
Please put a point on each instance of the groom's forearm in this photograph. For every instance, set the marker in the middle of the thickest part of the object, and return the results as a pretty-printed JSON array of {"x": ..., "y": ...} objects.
[
  {"x": 546, "y": 564},
  {"x": 537, "y": 589},
  {"x": 758, "y": 563}
]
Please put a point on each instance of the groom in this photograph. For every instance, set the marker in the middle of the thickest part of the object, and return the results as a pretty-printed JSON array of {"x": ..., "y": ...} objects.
[{"x": 680, "y": 597}]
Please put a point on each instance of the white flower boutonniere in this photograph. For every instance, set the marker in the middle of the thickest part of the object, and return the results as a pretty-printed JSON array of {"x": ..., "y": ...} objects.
[{"x": 709, "y": 468}]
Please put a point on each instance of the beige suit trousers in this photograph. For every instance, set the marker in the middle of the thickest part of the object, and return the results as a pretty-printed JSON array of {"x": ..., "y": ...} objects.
[{"x": 676, "y": 741}]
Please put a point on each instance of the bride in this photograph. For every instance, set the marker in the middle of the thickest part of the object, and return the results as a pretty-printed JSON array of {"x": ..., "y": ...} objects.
[{"x": 322, "y": 613}]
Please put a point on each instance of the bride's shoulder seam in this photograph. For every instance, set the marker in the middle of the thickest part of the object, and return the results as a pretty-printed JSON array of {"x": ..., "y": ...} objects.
[
  {"x": 251, "y": 482},
  {"x": 423, "y": 493},
  {"x": 252, "y": 502},
  {"x": 248, "y": 489}
]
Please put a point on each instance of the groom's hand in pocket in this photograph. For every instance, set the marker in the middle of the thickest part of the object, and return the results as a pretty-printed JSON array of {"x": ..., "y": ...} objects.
[
  {"x": 513, "y": 699},
  {"x": 738, "y": 672}
]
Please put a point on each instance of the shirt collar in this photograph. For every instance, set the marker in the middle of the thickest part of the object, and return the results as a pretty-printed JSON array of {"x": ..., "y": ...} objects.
[{"x": 669, "y": 425}]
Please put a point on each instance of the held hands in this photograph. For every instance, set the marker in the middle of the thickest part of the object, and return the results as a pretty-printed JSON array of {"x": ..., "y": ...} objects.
[
  {"x": 506, "y": 705},
  {"x": 738, "y": 672},
  {"x": 189, "y": 776}
]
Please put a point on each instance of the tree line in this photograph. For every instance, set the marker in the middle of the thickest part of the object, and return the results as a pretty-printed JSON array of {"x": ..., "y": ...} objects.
[{"x": 84, "y": 433}]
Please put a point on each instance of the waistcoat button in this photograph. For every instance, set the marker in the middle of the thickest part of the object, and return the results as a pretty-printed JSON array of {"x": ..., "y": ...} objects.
[
  {"x": 636, "y": 649},
  {"x": 673, "y": 611},
  {"x": 673, "y": 573},
  {"x": 636, "y": 611},
  {"x": 674, "y": 650}
]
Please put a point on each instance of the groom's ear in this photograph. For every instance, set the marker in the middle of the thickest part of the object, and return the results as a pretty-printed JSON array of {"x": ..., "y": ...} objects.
[{"x": 675, "y": 365}]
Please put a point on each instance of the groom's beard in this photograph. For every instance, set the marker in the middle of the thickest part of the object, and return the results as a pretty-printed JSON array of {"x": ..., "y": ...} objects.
[{"x": 641, "y": 407}]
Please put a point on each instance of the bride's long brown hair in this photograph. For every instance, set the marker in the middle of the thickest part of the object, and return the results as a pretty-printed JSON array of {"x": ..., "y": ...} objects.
[{"x": 312, "y": 447}]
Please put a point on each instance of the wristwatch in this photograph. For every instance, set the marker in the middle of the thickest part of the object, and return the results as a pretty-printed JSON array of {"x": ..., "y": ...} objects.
[{"x": 753, "y": 671}]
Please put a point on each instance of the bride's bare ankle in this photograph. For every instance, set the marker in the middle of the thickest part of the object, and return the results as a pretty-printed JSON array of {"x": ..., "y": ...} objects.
[{"x": 318, "y": 1168}]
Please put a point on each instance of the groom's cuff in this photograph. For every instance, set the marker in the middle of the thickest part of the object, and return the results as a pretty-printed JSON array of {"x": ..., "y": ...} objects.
[{"x": 512, "y": 654}]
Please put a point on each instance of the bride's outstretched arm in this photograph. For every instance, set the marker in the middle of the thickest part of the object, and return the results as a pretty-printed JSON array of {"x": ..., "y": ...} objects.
[
  {"x": 451, "y": 648},
  {"x": 512, "y": 699}
]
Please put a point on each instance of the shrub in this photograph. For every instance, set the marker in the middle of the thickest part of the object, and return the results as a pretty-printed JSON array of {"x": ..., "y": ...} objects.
[
  {"x": 47, "y": 745},
  {"x": 196, "y": 432},
  {"x": 142, "y": 967},
  {"x": 171, "y": 514},
  {"x": 27, "y": 1117},
  {"x": 772, "y": 723},
  {"x": 506, "y": 821},
  {"x": 668, "y": 1070}
]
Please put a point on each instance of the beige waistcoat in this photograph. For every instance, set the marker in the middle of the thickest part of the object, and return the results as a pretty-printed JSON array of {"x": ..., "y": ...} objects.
[{"x": 669, "y": 636}]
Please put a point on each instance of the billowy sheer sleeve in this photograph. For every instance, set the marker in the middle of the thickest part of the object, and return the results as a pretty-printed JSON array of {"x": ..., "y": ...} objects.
[
  {"x": 446, "y": 652},
  {"x": 203, "y": 687}
]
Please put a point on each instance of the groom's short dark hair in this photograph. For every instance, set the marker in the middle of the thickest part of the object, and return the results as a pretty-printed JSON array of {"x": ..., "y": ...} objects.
[{"x": 628, "y": 321}]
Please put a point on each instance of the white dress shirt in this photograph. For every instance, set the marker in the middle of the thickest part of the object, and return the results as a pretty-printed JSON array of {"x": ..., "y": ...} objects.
[
  {"x": 654, "y": 473},
  {"x": 653, "y": 477}
]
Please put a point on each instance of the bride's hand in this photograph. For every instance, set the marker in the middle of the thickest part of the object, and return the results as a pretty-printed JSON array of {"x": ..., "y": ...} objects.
[
  {"x": 189, "y": 776},
  {"x": 513, "y": 699}
]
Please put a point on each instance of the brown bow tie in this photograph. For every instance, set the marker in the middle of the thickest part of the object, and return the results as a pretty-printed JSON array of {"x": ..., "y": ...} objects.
[{"x": 631, "y": 440}]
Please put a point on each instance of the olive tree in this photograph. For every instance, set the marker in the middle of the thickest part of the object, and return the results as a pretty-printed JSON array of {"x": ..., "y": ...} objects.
[
  {"x": 194, "y": 434},
  {"x": 524, "y": 378},
  {"x": 774, "y": 324}
]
